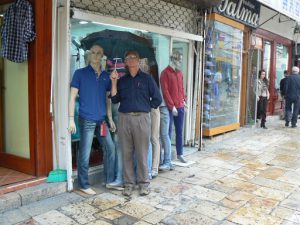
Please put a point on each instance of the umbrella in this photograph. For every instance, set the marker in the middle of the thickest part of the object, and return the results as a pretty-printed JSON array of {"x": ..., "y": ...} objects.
[{"x": 116, "y": 43}]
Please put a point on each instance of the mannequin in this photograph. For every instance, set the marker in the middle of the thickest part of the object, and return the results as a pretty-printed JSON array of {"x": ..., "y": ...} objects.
[
  {"x": 174, "y": 96},
  {"x": 89, "y": 82}
]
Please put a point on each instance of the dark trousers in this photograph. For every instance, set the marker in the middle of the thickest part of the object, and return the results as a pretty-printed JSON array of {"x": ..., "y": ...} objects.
[
  {"x": 178, "y": 122},
  {"x": 262, "y": 109},
  {"x": 288, "y": 110}
]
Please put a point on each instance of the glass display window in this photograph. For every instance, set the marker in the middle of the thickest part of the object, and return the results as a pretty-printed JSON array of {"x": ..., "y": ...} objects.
[
  {"x": 282, "y": 59},
  {"x": 222, "y": 75},
  {"x": 160, "y": 47},
  {"x": 267, "y": 58}
]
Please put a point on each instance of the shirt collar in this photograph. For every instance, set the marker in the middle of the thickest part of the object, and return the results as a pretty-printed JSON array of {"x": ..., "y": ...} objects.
[
  {"x": 138, "y": 74},
  {"x": 92, "y": 69}
]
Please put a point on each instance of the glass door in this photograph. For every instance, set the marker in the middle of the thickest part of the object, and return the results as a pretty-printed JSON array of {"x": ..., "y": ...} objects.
[
  {"x": 182, "y": 47},
  {"x": 255, "y": 65},
  {"x": 282, "y": 59}
]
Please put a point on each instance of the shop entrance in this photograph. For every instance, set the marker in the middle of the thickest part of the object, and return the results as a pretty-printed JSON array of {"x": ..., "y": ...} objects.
[
  {"x": 255, "y": 62},
  {"x": 16, "y": 159}
]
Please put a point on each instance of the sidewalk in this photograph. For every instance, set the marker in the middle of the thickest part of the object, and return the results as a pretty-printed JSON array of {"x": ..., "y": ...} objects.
[{"x": 249, "y": 176}]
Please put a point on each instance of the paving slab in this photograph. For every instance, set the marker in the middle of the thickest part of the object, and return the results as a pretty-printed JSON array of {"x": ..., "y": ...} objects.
[
  {"x": 13, "y": 216},
  {"x": 49, "y": 204},
  {"x": 10, "y": 201},
  {"x": 54, "y": 217}
]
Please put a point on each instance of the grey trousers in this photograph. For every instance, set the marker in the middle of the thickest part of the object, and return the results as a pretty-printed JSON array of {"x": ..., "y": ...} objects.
[{"x": 134, "y": 136}]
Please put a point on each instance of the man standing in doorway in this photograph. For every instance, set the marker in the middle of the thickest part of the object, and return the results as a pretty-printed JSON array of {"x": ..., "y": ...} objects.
[
  {"x": 292, "y": 91},
  {"x": 282, "y": 93},
  {"x": 137, "y": 93}
]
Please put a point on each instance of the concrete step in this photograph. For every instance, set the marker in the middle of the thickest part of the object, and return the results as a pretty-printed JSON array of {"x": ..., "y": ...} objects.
[{"x": 29, "y": 195}]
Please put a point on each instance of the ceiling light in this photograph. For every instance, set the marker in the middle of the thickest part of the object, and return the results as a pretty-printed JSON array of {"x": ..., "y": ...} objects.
[{"x": 83, "y": 22}]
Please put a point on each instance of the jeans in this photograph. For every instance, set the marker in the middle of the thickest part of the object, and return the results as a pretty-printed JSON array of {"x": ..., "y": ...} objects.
[
  {"x": 292, "y": 113},
  {"x": 164, "y": 136},
  {"x": 178, "y": 122},
  {"x": 87, "y": 130},
  {"x": 119, "y": 160}
]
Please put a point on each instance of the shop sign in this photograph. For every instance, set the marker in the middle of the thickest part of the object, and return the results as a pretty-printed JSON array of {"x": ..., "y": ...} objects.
[
  {"x": 246, "y": 12},
  {"x": 290, "y": 8}
]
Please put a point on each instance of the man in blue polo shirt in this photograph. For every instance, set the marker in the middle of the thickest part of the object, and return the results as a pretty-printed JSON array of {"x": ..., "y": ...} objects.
[
  {"x": 137, "y": 93},
  {"x": 93, "y": 85}
]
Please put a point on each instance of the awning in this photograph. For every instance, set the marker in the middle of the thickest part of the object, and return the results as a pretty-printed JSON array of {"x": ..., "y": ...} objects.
[
  {"x": 288, "y": 8},
  {"x": 206, "y": 3}
]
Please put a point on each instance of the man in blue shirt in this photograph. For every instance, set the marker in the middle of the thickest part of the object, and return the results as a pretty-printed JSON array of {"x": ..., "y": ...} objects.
[
  {"x": 137, "y": 93},
  {"x": 93, "y": 85}
]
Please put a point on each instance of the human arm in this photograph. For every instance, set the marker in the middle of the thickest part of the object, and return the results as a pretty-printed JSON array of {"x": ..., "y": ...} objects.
[
  {"x": 73, "y": 95},
  {"x": 114, "y": 91},
  {"x": 155, "y": 95}
]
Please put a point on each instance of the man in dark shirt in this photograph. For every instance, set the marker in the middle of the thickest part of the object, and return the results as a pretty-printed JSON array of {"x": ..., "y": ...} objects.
[
  {"x": 282, "y": 83},
  {"x": 292, "y": 97},
  {"x": 137, "y": 93},
  {"x": 282, "y": 93}
]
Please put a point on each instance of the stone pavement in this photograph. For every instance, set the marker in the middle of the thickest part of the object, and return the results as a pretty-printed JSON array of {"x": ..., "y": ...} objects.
[{"x": 249, "y": 176}]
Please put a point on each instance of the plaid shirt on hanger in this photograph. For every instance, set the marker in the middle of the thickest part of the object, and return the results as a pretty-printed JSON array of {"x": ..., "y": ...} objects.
[{"x": 17, "y": 30}]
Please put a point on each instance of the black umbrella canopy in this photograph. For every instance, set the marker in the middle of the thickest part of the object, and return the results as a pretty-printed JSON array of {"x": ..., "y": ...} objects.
[{"x": 116, "y": 43}]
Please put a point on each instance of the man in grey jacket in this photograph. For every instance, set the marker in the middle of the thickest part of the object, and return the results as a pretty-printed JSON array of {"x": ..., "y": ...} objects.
[{"x": 292, "y": 91}]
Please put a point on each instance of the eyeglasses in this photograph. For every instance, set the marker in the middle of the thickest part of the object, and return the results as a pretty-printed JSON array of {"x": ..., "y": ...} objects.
[{"x": 131, "y": 57}]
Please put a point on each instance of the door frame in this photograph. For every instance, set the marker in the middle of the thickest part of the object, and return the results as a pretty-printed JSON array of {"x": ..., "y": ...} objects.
[
  {"x": 187, "y": 134},
  {"x": 274, "y": 39},
  {"x": 39, "y": 83}
]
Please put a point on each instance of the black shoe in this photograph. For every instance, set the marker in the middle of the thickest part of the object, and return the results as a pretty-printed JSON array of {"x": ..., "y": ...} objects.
[
  {"x": 264, "y": 127},
  {"x": 287, "y": 123},
  {"x": 294, "y": 126}
]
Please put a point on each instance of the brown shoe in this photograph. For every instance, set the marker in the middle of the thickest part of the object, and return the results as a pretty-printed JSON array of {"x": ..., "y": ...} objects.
[
  {"x": 127, "y": 190},
  {"x": 144, "y": 190}
]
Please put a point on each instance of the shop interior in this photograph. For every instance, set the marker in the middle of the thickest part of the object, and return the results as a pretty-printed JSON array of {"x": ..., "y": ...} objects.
[{"x": 155, "y": 51}]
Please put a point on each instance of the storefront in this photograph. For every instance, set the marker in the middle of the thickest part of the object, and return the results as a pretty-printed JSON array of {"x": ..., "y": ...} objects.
[
  {"x": 25, "y": 119},
  {"x": 164, "y": 25},
  {"x": 226, "y": 65},
  {"x": 274, "y": 51}
]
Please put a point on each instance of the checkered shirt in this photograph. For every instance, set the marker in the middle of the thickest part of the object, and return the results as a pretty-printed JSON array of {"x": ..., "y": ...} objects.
[{"x": 17, "y": 31}]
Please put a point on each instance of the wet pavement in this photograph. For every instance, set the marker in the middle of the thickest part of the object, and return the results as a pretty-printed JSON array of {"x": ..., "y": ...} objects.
[{"x": 249, "y": 176}]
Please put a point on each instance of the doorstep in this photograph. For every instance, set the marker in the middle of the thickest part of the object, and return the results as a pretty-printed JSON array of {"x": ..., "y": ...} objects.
[{"x": 23, "y": 193}]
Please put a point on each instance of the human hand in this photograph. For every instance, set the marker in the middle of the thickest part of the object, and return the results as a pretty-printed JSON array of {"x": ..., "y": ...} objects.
[
  {"x": 114, "y": 76},
  {"x": 72, "y": 126},
  {"x": 174, "y": 111},
  {"x": 112, "y": 126}
]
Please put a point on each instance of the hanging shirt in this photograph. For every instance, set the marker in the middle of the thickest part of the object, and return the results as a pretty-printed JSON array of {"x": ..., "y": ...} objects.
[{"x": 17, "y": 31}]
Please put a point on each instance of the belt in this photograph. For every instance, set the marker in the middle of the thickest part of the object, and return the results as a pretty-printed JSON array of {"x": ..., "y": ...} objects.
[{"x": 135, "y": 113}]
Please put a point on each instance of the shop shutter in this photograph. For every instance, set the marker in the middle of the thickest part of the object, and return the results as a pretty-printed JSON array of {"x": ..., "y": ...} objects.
[{"x": 179, "y": 15}]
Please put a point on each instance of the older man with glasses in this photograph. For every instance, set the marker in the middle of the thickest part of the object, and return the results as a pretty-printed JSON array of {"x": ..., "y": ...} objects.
[{"x": 137, "y": 93}]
